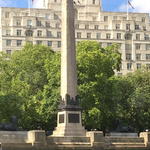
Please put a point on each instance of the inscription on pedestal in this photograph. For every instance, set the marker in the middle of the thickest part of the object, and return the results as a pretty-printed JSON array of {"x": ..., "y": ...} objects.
[
  {"x": 61, "y": 118},
  {"x": 73, "y": 118}
]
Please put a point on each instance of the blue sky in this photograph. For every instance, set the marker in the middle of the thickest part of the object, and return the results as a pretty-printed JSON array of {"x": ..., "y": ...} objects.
[
  {"x": 112, "y": 5},
  {"x": 108, "y": 5}
]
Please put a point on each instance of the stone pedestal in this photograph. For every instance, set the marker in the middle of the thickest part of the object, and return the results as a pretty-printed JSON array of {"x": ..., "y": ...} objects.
[
  {"x": 36, "y": 137},
  {"x": 97, "y": 139},
  {"x": 69, "y": 124},
  {"x": 146, "y": 136}
]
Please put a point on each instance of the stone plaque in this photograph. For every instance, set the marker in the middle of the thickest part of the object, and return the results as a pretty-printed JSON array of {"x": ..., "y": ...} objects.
[
  {"x": 73, "y": 118},
  {"x": 61, "y": 118}
]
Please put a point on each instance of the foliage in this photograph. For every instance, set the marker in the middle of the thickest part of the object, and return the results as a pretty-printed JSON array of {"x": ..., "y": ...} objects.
[
  {"x": 30, "y": 81},
  {"x": 95, "y": 66},
  {"x": 131, "y": 94},
  {"x": 139, "y": 100},
  {"x": 32, "y": 75}
]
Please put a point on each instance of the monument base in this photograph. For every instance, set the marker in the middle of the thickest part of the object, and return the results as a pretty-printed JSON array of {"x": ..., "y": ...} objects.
[{"x": 69, "y": 124}]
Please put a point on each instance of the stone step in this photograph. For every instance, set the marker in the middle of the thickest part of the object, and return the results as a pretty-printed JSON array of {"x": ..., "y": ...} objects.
[
  {"x": 68, "y": 139},
  {"x": 125, "y": 140},
  {"x": 74, "y": 145},
  {"x": 125, "y": 148},
  {"x": 129, "y": 144}
]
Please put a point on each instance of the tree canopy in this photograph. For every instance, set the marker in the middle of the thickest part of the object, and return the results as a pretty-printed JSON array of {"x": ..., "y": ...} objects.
[{"x": 30, "y": 88}]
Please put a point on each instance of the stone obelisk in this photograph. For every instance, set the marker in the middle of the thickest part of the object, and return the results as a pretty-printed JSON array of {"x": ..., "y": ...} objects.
[{"x": 69, "y": 116}]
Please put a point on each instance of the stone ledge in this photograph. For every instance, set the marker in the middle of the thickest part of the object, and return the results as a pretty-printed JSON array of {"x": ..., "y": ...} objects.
[{"x": 116, "y": 134}]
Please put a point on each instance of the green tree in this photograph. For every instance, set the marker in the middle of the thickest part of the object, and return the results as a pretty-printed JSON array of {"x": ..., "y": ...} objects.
[
  {"x": 96, "y": 66},
  {"x": 139, "y": 100},
  {"x": 131, "y": 93},
  {"x": 32, "y": 75},
  {"x": 26, "y": 75}
]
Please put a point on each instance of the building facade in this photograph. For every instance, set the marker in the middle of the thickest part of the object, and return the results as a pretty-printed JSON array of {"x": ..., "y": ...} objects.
[{"x": 43, "y": 26}]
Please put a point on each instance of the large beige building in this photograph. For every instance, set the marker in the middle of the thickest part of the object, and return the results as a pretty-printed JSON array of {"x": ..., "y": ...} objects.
[{"x": 43, "y": 26}]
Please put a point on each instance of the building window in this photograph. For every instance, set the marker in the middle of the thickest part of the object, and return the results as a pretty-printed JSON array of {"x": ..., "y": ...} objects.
[
  {"x": 47, "y": 16},
  {"x": 78, "y": 35},
  {"x": 117, "y": 26},
  {"x": 49, "y": 43},
  {"x": 127, "y": 26},
  {"x": 58, "y": 34},
  {"x": 77, "y": 26},
  {"x": 148, "y": 66},
  {"x": 129, "y": 66},
  {"x": 128, "y": 56},
  {"x": 86, "y": 26},
  {"x": 38, "y": 23},
  {"x": 96, "y": 27},
  {"x": 7, "y": 14},
  {"x": 146, "y": 37},
  {"x": 8, "y": 42},
  {"x": 138, "y": 66},
  {"x": 19, "y": 42},
  {"x": 98, "y": 35},
  {"x": 39, "y": 33},
  {"x": 119, "y": 36},
  {"x": 93, "y": 2},
  {"x": 137, "y": 46},
  {"x": 137, "y": 27},
  {"x": 59, "y": 44},
  {"x": 29, "y": 33},
  {"x": 137, "y": 36},
  {"x": 138, "y": 56},
  {"x": 115, "y": 17},
  {"x": 8, "y": 52},
  {"x": 57, "y": 25},
  {"x": 128, "y": 47},
  {"x": 109, "y": 44},
  {"x": 55, "y": 17},
  {"x": 105, "y": 18},
  {"x": 147, "y": 56},
  {"x": 18, "y": 22},
  {"x": 47, "y": 24},
  {"x": 128, "y": 36},
  {"x": 38, "y": 42},
  {"x": 108, "y": 35},
  {"x": 143, "y": 19},
  {"x": 7, "y": 23},
  {"x": 88, "y": 35},
  {"x": 134, "y": 18},
  {"x": 106, "y": 27},
  {"x": 29, "y": 22},
  {"x": 147, "y": 46},
  {"x": 18, "y": 32},
  {"x": 124, "y": 18},
  {"x": 49, "y": 33},
  {"x": 144, "y": 28},
  {"x": 7, "y": 32}
]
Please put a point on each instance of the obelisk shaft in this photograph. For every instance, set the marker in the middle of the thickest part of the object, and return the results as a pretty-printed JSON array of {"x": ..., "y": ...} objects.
[
  {"x": 68, "y": 54},
  {"x": 69, "y": 122}
]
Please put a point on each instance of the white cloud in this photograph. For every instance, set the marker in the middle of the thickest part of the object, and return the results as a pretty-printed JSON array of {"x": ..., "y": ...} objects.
[
  {"x": 139, "y": 5},
  {"x": 5, "y": 3}
]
